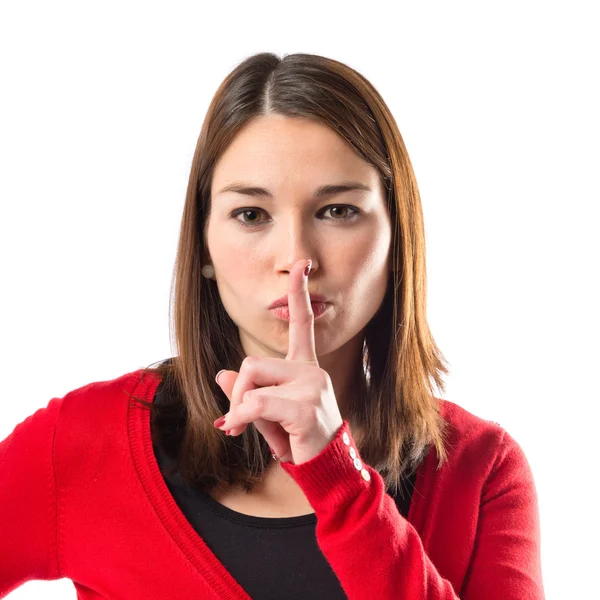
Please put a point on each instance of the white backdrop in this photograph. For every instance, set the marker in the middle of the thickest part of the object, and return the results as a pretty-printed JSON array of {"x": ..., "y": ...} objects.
[{"x": 100, "y": 109}]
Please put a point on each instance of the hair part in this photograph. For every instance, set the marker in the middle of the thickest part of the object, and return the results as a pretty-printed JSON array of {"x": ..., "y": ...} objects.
[{"x": 394, "y": 416}]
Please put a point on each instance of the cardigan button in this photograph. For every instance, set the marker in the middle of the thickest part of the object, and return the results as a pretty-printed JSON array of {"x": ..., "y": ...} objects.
[
  {"x": 352, "y": 452},
  {"x": 346, "y": 438},
  {"x": 366, "y": 475},
  {"x": 357, "y": 464}
]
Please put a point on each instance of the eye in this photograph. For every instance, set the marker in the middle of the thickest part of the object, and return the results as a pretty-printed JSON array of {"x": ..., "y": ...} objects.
[
  {"x": 249, "y": 211},
  {"x": 246, "y": 212}
]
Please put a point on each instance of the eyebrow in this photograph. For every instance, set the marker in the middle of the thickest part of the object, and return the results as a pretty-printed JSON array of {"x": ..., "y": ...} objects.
[{"x": 324, "y": 190}]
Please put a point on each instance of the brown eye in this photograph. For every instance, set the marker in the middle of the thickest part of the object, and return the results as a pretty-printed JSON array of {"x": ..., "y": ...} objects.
[
  {"x": 247, "y": 213},
  {"x": 339, "y": 208},
  {"x": 249, "y": 219},
  {"x": 250, "y": 214}
]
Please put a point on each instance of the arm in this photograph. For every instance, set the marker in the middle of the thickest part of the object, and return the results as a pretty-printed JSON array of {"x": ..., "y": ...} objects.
[
  {"x": 506, "y": 559},
  {"x": 375, "y": 552},
  {"x": 28, "y": 534}
]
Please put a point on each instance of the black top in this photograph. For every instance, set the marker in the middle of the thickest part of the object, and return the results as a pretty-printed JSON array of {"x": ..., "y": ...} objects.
[{"x": 271, "y": 558}]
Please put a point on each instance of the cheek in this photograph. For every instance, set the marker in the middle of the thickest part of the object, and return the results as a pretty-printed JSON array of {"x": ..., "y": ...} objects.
[
  {"x": 228, "y": 252},
  {"x": 370, "y": 273},
  {"x": 239, "y": 273},
  {"x": 368, "y": 256}
]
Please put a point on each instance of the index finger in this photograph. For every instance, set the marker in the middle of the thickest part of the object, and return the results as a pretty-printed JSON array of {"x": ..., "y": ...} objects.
[{"x": 301, "y": 345}]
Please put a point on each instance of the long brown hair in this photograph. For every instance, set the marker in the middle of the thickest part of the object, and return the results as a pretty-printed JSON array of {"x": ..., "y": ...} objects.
[{"x": 395, "y": 417}]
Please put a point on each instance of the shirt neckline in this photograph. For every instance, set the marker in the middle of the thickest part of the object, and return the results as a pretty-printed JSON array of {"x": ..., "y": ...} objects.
[{"x": 253, "y": 520}]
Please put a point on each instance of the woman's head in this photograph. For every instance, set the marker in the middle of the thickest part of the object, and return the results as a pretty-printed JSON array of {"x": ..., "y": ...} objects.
[
  {"x": 290, "y": 126},
  {"x": 253, "y": 237}
]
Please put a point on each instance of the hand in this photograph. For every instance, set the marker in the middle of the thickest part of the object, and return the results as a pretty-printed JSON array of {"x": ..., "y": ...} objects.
[{"x": 290, "y": 401}]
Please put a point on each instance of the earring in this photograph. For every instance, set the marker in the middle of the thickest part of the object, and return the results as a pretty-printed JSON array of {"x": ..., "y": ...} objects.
[{"x": 208, "y": 271}]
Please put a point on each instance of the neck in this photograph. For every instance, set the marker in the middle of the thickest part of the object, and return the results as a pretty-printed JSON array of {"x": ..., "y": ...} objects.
[{"x": 345, "y": 367}]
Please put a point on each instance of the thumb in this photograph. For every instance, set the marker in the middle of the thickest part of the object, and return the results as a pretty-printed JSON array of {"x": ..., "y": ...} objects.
[{"x": 226, "y": 381}]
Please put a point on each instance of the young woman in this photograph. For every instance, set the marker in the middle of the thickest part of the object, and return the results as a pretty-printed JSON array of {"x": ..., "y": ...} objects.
[{"x": 320, "y": 464}]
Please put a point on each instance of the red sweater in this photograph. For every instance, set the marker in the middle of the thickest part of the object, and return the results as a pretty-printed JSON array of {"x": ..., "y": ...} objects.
[{"x": 82, "y": 497}]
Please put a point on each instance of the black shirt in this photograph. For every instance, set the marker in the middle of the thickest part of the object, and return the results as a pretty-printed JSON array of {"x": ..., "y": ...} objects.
[{"x": 271, "y": 558}]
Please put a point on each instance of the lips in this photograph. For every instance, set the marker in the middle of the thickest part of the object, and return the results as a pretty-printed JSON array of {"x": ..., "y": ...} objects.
[
  {"x": 283, "y": 301},
  {"x": 318, "y": 308}
]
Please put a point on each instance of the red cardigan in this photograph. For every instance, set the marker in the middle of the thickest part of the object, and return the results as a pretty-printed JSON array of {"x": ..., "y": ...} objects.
[{"x": 82, "y": 497}]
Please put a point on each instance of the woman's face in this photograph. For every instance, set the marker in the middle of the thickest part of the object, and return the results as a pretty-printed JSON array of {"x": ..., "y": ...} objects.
[{"x": 254, "y": 240}]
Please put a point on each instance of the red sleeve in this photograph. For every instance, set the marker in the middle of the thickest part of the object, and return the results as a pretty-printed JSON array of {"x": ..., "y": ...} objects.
[
  {"x": 28, "y": 501},
  {"x": 376, "y": 553}
]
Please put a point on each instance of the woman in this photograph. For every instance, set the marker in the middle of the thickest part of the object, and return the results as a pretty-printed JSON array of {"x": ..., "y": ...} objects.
[{"x": 320, "y": 464}]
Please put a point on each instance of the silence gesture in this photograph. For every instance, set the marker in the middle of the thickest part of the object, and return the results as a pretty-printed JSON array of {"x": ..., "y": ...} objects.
[{"x": 291, "y": 401}]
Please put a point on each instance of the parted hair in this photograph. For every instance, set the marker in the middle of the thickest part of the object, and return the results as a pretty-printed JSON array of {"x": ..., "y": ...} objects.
[{"x": 394, "y": 415}]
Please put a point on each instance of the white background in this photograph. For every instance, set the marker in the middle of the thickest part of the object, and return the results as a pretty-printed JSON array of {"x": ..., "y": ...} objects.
[{"x": 101, "y": 106}]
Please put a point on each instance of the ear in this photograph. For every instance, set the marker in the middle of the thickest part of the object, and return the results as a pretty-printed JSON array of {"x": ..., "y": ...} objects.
[{"x": 226, "y": 381}]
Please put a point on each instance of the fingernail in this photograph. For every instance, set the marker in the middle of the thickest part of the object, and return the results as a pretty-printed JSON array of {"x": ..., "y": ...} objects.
[
  {"x": 308, "y": 267},
  {"x": 217, "y": 375},
  {"x": 219, "y": 422}
]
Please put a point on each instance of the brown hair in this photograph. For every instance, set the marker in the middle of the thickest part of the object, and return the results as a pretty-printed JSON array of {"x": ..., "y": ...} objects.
[{"x": 394, "y": 416}]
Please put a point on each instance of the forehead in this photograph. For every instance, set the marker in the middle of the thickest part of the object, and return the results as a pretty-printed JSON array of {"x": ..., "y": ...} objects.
[{"x": 274, "y": 150}]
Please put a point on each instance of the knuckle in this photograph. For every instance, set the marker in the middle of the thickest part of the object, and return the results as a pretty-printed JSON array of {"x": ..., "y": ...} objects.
[
  {"x": 248, "y": 363},
  {"x": 324, "y": 379},
  {"x": 258, "y": 400},
  {"x": 254, "y": 400}
]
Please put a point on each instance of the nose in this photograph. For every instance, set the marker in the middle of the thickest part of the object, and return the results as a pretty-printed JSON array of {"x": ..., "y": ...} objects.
[{"x": 294, "y": 241}]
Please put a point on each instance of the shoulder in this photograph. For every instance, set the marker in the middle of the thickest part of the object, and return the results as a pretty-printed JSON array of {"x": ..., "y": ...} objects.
[
  {"x": 99, "y": 396},
  {"x": 473, "y": 442},
  {"x": 93, "y": 417},
  {"x": 464, "y": 422}
]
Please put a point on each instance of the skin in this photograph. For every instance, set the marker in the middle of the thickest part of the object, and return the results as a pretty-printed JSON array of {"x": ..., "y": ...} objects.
[{"x": 351, "y": 262}]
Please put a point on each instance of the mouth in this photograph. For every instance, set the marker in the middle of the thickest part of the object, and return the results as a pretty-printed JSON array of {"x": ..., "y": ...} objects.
[
  {"x": 314, "y": 298},
  {"x": 283, "y": 312}
]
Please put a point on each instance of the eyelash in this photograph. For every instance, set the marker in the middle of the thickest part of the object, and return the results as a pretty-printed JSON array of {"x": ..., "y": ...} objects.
[{"x": 240, "y": 211}]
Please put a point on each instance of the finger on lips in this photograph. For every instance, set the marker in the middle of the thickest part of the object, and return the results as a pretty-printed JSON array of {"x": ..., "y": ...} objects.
[
  {"x": 301, "y": 335},
  {"x": 301, "y": 342}
]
